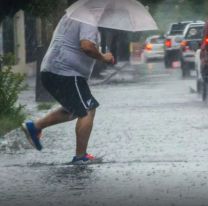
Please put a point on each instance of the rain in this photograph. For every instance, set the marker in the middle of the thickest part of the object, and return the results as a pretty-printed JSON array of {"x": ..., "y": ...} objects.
[{"x": 150, "y": 130}]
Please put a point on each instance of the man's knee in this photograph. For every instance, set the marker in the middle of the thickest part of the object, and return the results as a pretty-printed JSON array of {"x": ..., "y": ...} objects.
[
  {"x": 92, "y": 112},
  {"x": 70, "y": 115}
]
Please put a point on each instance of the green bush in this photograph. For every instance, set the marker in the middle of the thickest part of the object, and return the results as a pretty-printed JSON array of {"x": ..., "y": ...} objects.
[
  {"x": 10, "y": 87},
  {"x": 8, "y": 122},
  {"x": 11, "y": 84},
  {"x": 45, "y": 106}
]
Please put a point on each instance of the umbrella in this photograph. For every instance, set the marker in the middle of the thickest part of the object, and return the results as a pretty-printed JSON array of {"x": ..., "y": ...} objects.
[{"x": 128, "y": 15}]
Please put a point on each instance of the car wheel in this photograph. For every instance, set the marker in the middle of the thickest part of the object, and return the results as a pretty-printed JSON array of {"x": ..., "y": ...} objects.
[
  {"x": 185, "y": 70},
  {"x": 168, "y": 62},
  {"x": 146, "y": 60},
  {"x": 199, "y": 86},
  {"x": 205, "y": 92},
  {"x": 177, "y": 56}
]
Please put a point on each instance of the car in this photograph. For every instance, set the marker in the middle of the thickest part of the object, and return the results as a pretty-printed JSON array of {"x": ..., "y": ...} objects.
[
  {"x": 193, "y": 34},
  {"x": 172, "y": 42},
  {"x": 153, "y": 48}
]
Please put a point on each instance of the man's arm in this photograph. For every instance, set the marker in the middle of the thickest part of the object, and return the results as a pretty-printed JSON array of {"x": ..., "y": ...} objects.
[{"x": 89, "y": 48}]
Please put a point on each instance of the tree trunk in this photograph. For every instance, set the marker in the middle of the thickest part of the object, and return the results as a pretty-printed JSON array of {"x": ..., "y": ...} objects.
[{"x": 41, "y": 94}]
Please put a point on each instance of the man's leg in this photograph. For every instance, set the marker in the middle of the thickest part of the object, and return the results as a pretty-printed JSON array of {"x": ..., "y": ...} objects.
[
  {"x": 57, "y": 116},
  {"x": 83, "y": 130}
]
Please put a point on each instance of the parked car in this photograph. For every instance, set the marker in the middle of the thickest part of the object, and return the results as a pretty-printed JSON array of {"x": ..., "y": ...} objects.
[
  {"x": 172, "y": 42},
  {"x": 193, "y": 34},
  {"x": 153, "y": 48}
]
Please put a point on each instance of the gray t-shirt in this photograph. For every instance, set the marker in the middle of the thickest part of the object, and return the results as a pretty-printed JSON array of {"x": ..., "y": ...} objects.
[{"x": 64, "y": 56}]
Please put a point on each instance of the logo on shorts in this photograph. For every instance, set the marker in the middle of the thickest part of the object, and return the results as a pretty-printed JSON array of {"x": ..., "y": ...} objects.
[{"x": 89, "y": 102}]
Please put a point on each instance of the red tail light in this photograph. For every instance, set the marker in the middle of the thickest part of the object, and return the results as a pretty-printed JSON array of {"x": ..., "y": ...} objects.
[
  {"x": 185, "y": 46},
  {"x": 148, "y": 47},
  {"x": 184, "y": 43},
  {"x": 206, "y": 41},
  {"x": 168, "y": 43}
]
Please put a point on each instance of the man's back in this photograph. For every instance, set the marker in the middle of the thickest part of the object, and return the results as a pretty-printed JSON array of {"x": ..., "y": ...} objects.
[{"x": 64, "y": 56}]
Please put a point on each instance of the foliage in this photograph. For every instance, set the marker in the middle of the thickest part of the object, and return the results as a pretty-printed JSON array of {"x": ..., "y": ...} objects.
[
  {"x": 45, "y": 106},
  {"x": 11, "y": 114},
  {"x": 7, "y": 59},
  {"x": 8, "y": 122},
  {"x": 41, "y": 8},
  {"x": 10, "y": 86}
]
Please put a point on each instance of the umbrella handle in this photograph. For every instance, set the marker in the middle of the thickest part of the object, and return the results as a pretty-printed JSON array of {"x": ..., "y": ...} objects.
[{"x": 112, "y": 62}]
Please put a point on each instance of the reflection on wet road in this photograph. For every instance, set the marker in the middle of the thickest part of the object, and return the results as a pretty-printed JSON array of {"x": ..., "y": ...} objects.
[{"x": 152, "y": 132}]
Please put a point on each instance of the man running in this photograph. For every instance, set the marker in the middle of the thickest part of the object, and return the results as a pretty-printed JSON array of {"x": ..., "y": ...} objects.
[{"x": 64, "y": 72}]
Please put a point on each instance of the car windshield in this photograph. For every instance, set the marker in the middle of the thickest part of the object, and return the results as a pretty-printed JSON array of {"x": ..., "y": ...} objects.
[
  {"x": 195, "y": 32},
  {"x": 177, "y": 28}
]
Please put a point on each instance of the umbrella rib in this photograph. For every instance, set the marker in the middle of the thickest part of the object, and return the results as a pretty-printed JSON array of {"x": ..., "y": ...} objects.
[
  {"x": 131, "y": 19},
  {"x": 74, "y": 7},
  {"x": 102, "y": 14},
  {"x": 156, "y": 26}
]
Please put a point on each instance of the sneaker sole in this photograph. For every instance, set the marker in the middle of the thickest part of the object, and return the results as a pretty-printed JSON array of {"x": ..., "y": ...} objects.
[
  {"x": 27, "y": 134},
  {"x": 89, "y": 162}
]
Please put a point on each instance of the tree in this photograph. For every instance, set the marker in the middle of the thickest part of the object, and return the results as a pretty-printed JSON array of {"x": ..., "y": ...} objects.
[{"x": 40, "y": 8}]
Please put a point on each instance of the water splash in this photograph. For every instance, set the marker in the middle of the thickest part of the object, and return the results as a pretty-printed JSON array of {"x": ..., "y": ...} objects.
[{"x": 14, "y": 142}]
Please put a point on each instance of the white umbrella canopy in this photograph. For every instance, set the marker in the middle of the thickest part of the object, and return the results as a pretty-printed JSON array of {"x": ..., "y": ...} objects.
[{"x": 127, "y": 15}]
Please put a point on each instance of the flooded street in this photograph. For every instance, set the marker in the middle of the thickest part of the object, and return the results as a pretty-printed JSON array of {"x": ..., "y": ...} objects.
[{"x": 151, "y": 130}]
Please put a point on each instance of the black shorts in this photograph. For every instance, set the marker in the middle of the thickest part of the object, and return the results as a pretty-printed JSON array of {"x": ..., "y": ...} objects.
[{"x": 73, "y": 93}]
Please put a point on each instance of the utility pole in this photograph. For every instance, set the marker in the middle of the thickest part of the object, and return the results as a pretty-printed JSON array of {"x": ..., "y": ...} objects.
[
  {"x": 20, "y": 44},
  {"x": 1, "y": 39},
  {"x": 1, "y": 45}
]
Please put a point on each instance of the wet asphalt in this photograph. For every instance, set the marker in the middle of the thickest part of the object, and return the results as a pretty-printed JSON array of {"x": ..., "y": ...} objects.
[{"x": 151, "y": 130}]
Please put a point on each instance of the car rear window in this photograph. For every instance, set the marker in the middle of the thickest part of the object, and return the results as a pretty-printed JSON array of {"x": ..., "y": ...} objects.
[
  {"x": 157, "y": 41},
  {"x": 177, "y": 28},
  {"x": 195, "y": 32}
]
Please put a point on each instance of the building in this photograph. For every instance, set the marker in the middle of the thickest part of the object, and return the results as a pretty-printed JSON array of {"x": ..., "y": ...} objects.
[{"x": 18, "y": 36}]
